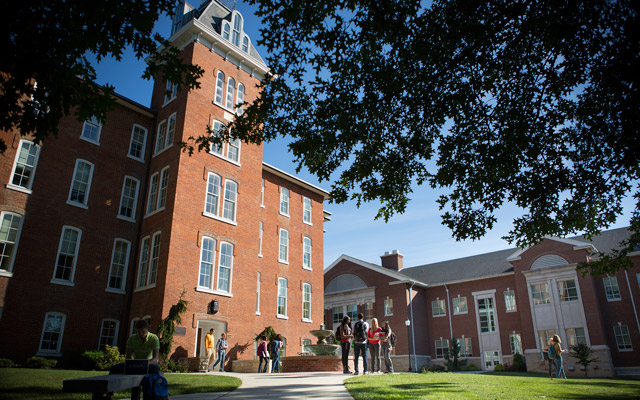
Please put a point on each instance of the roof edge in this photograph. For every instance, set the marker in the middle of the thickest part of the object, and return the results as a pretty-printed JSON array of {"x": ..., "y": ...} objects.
[{"x": 292, "y": 178}]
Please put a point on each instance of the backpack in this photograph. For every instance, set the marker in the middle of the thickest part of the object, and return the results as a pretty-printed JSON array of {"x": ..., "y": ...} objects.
[
  {"x": 551, "y": 353},
  {"x": 155, "y": 387},
  {"x": 274, "y": 348},
  {"x": 359, "y": 333},
  {"x": 339, "y": 333},
  {"x": 393, "y": 339}
]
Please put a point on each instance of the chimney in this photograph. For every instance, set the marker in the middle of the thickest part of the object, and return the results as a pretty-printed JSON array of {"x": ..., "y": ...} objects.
[{"x": 392, "y": 260}]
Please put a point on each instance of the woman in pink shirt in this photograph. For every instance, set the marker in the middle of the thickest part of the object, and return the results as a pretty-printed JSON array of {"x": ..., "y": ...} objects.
[{"x": 373, "y": 337}]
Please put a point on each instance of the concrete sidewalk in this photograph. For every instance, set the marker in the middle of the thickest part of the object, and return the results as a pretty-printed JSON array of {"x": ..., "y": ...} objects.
[{"x": 298, "y": 385}]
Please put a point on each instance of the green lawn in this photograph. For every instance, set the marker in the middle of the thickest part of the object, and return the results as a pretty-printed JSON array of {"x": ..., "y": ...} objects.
[
  {"x": 487, "y": 386},
  {"x": 46, "y": 384}
]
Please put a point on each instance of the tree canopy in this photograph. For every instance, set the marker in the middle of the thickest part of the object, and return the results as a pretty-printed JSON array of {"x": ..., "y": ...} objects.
[
  {"x": 45, "y": 68},
  {"x": 528, "y": 102}
]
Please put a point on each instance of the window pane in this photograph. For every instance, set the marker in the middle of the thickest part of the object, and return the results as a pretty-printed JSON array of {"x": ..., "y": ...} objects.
[
  {"x": 8, "y": 239},
  {"x": 138, "y": 140},
  {"x": 224, "y": 268},
  {"x": 207, "y": 256},
  {"x": 67, "y": 254},
  {"x": 119, "y": 264},
  {"x": 25, "y": 165},
  {"x": 230, "y": 195}
]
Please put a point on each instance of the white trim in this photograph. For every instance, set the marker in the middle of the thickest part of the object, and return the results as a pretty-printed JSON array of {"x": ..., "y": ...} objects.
[
  {"x": 117, "y": 331},
  {"x": 296, "y": 180},
  {"x": 144, "y": 143},
  {"x": 18, "y": 188},
  {"x": 230, "y": 267},
  {"x": 70, "y": 281},
  {"x": 212, "y": 291},
  {"x": 8, "y": 271},
  {"x": 84, "y": 204},
  {"x": 11, "y": 185},
  {"x": 385, "y": 271},
  {"x": 57, "y": 351},
  {"x": 126, "y": 264},
  {"x": 84, "y": 125},
  {"x": 134, "y": 209}
]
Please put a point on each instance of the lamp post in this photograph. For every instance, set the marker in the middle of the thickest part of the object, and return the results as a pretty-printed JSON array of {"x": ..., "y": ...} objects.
[{"x": 407, "y": 322}]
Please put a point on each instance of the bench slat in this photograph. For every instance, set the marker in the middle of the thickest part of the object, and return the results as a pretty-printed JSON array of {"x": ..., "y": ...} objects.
[{"x": 102, "y": 384}]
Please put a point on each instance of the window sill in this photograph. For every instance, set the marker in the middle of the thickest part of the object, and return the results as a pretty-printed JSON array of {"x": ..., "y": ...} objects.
[
  {"x": 218, "y": 218},
  {"x": 282, "y": 316},
  {"x": 76, "y": 204},
  {"x": 6, "y": 274},
  {"x": 511, "y": 311},
  {"x": 18, "y": 188},
  {"x": 227, "y": 159},
  {"x": 625, "y": 350},
  {"x": 212, "y": 291},
  {"x": 116, "y": 291},
  {"x": 308, "y": 321},
  {"x": 307, "y": 268},
  {"x": 260, "y": 255},
  {"x": 387, "y": 315},
  {"x": 154, "y": 212},
  {"x": 162, "y": 150},
  {"x": 128, "y": 219},
  {"x": 169, "y": 101},
  {"x": 41, "y": 353},
  {"x": 227, "y": 109},
  {"x": 63, "y": 283},
  {"x": 284, "y": 215},
  {"x": 97, "y": 143},
  {"x": 439, "y": 315},
  {"x": 612, "y": 300},
  {"x": 461, "y": 313},
  {"x": 283, "y": 262},
  {"x": 143, "y": 288},
  {"x": 258, "y": 313},
  {"x": 307, "y": 223},
  {"x": 135, "y": 158}
]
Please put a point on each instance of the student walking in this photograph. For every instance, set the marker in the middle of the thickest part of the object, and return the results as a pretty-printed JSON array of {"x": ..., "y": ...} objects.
[
  {"x": 262, "y": 353},
  {"x": 373, "y": 337},
  {"x": 360, "y": 343},
  {"x": 558, "y": 356},
  {"x": 221, "y": 347},
  {"x": 276, "y": 345}
]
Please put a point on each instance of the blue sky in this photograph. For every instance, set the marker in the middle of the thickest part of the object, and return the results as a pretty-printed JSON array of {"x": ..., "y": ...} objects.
[{"x": 417, "y": 234}]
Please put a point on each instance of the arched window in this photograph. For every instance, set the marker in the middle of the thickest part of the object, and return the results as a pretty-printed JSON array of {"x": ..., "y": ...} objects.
[
  {"x": 240, "y": 99},
  {"x": 231, "y": 88},
  {"x": 245, "y": 44},
  {"x": 225, "y": 30},
  {"x": 225, "y": 267},
  {"x": 219, "y": 88},
  {"x": 237, "y": 29}
]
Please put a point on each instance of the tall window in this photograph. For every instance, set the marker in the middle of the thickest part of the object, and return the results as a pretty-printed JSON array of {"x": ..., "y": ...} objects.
[
  {"x": 245, "y": 44},
  {"x": 138, "y": 142},
  {"x": 338, "y": 314},
  {"x": 81, "y": 184},
  {"x": 368, "y": 310},
  {"x": 540, "y": 293},
  {"x": 388, "y": 307},
  {"x": 352, "y": 311},
  {"x": 52, "y": 331},
  {"x": 442, "y": 348},
  {"x": 67, "y": 254},
  {"x": 157, "y": 197},
  {"x": 233, "y": 150},
  {"x": 306, "y": 302},
  {"x": 260, "y": 239},
  {"x": 237, "y": 29},
  {"x": 262, "y": 195},
  {"x": 306, "y": 253},
  {"x": 207, "y": 259},
  {"x": 166, "y": 134},
  {"x": 225, "y": 30},
  {"x": 516, "y": 343},
  {"x": 460, "y": 305},
  {"x": 119, "y": 264},
  {"x": 24, "y": 166},
  {"x": 623, "y": 339},
  {"x": 149, "y": 258},
  {"x": 213, "y": 194},
  {"x": 91, "y": 130},
  {"x": 486, "y": 315},
  {"x": 162, "y": 193},
  {"x": 306, "y": 211},
  {"x": 283, "y": 255},
  {"x": 143, "y": 264},
  {"x": 108, "y": 333},
  {"x": 9, "y": 237},
  {"x": 219, "y": 88},
  {"x": 231, "y": 88},
  {"x": 155, "y": 256},
  {"x": 465, "y": 347},
  {"x": 129, "y": 198},
  {"x": 611, "y": 288},
  {"x": 510, "y": 300},
  {"x": 282, "y": 297},
  {"x": 576, "y": 336},
  {"x": 240, "y": 99},
  {"x": 230, "y": 196},
  {"x": 284, "y": 201},
  {"x": 152, "y": 197},
  {"x": 225, "y": 266},
  {"x": 437, "y": 308},
  {"x": 161, "y": 136},
  {"x": 258, "y": 295},
  {"x": 171, "y": 92},
  {"x": 567, "y": 290}
]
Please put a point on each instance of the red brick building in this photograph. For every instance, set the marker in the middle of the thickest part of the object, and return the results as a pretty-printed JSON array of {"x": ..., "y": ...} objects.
[
  {"x": 111, "y": 222},
  {"x": 498, "y": 304}
]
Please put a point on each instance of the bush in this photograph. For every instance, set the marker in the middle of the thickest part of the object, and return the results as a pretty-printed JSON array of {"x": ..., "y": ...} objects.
[
  {"x": 6, "y": 363},
  {"x": 101, "y": 360},
  {"x": 499, "y": 368},
  {"x": 40, "y": 363},
  {"x": 434, "y": 368},
  {"x": 173, "y": 366},
  {"x": 472, "y": 367},
  {"x": 519, "y": 363}
]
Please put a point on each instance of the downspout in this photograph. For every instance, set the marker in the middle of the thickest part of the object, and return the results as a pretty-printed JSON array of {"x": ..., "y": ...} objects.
[
  {"x": 449, "y": 312},
  {"x": 633, "y": 303},
  {"x": 413, "y": 336}
]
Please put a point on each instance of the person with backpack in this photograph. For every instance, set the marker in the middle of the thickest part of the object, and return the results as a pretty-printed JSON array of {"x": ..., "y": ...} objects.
[
  {"x": 344, "y": 336},
  {"x": 557, "y": 350},
  {"x": 360, "y": 330},
  {"x": 221, "y": 347},
  {"x": 374, "y": 335},
  {"x": 262, "y": 353},
  {"x": 388, "y": 343},
  {"x": 549, "y": 355},
  {"x": 276, "y": 344}
]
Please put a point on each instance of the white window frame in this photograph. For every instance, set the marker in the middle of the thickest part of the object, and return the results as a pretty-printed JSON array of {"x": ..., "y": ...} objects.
[
  {"x": 70, "y": 281},
  {"x": 262, "y": 205},
  {"x": 306, "y": 287},
  {"x": 260, "y": 234},
  {"x": 212, "y": 197},
  {"x": 456, "y": 302},
  {"x": 83, "y": 204},
  {"x": 285, "y": 197},
  {"x": 466, "y": 347},
  {"x": 442, "y": 348},
  {"x": 143, "y": 145},
  {"x": 230, "y": 200},
  {"x": 388, "y": 307},
  {"x": 171, "y": 132},
  {"x": 114, "y": 340},
  {"x": 282, "y": 294},
  {"x": 240, "y": 99},
  {"x": 163, "y": 185},
  {"x": 306, "y": 211},
  {"x": 221, "y": 265},
  {"x": 94, "y": 123},
  {"x": 24, "y": 166},
  {"x": 258, "y": 284},
  {"x": 217, "y": 129},
  {"x": 236, "y": 28},
  {"x": 563, "y": 290},
  {"x": 161, "y": 137},
  {"x": 231, "y": 89},
  {"x": 233, "y": 145},
  {"x": 219, "y": 96},
  {"x": 56, "y": 351},
  {"x": 572, "y": 333},
  {"x": 134, "y": 207},
  {"x": 142, "y": 270},
  {"x": 7, "y": 269},
  {"x": 492, "y": 319},
  {"x": 619, "y": 333},
  {"x": 540, "y": 293},
  {"x": 306, "y": 253},
  {"x": 515, "y": 342},
  {"x": 512, "y": 302},
  {"x": 226, "y": 30},
  {"x": 151, "y": 257},
  {"x": 172, "y": 88},
  {"x": 210, "y": 261},
  {"x": 246, "y": 44},
  {"x": 113, "y": 266},
  {"x": 157, "y": 194},
  {"x": 438, "y": 308},
  {"x": 610, "y": 283},
  {"x": 283, "y": 246}
]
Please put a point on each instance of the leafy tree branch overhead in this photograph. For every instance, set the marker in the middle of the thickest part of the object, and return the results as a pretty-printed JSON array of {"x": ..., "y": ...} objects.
[
  {"x": 533, "y": 103},
  {"x": 48, "y": 42}
]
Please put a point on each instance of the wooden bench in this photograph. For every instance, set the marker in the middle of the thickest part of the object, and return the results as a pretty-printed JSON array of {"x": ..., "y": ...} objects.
[{"x": 103, "y": 386}]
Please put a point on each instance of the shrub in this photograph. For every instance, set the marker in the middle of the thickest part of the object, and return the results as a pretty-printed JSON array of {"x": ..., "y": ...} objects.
[
  {"x": 454, "y": 364},
  {"x": 101, "y": 360},
  {"x": 519, "y": 363},
  {"x": 6, "y": 363},
  {"x": 434, "y": 368},
  {"x": 583, "y": 353},
  {"x": 499, "y": 368},
  {"x": 40, "y": 363},
  {"x": 472, "y": 367},
  {"x": 173, "y": 366}
]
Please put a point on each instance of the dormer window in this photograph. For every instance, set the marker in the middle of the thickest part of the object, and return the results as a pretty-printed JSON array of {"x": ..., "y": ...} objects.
[
  {"x": 237, "y": 29},
  {"x": 226, "y": 29},
  {"x": 245, "y": 44}
]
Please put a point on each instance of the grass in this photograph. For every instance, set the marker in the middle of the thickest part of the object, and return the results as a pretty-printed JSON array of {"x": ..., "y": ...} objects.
[
  {"x": 46, "y": 384},
  {"x": 488, "y": 386}
]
